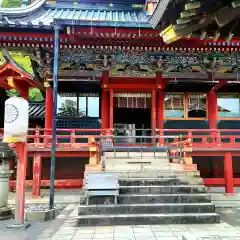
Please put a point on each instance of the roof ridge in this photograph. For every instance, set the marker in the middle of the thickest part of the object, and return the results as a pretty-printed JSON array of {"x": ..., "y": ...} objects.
[
  {"x": 91, "y": 7},
  {"x": 9, "y": 59},
  {"x": 22, "y": 10}
]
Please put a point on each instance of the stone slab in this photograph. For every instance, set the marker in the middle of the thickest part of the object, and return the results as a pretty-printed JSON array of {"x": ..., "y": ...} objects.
[
  {"x": 146, "y": 208},
  {"x": 152, "y": 198},
  {"x": 143, "y": 219},
  {"x": 23, "y": 226},
  {"x": 192, "y": 236},
  {"x": 155, "y": 189},
  {"x": 41, "y": 216},
  {"x": 5, "y": 213}
]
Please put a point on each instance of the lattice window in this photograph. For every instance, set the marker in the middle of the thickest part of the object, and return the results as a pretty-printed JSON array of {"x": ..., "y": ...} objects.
[{"x": 174, "y": 105}]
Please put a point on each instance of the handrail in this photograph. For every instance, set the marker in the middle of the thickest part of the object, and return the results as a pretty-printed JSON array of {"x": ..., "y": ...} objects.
[
  {"x": 40, "y": 137},
  {"x": 114, "y": 129}
]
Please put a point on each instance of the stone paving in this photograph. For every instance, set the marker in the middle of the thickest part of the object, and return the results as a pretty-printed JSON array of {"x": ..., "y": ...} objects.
[
  {"x": 36, "y": 229},
  {"x": 63, "y": 228},
  {"x": 146, "y": 232},
  {"x": 68, "y": 231}
]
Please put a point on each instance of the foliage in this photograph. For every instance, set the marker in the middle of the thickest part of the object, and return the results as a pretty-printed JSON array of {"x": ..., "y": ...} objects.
[
  {"x": 20, "y": 58},
  {"x": 25, "y": 62},
  {"x": 34, "y": 94},
  {"x": 68, "y": 109},
  {"x": 12, "y": 93},
  {"x": 11, "y": 3}
]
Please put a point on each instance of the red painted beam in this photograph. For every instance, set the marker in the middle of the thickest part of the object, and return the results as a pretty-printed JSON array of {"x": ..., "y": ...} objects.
[
  {"x": 219, "y": 181},
  {"x": 219, "y": 85},
  {"x": 63, "y": 153},
  {"x": 3, "y": 84},
  {"x": 160, "y": 81},
  {"x": 60, "y": 184},
  {"x": 22, "y": 88},
  {"x": 131, "y": 80},
  {"x": 214, "y": 181},
  {"x": 130, "y": 86}
]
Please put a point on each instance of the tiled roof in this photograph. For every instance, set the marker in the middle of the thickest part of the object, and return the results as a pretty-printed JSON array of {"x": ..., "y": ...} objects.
[
  {"x": 44, "y": 15},
  {"x": 36, "y": 110}
]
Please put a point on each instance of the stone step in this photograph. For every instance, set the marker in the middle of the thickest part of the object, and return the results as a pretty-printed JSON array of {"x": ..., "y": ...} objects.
[
  {"x": 136, "y": 160},
  {"x": 143, "y": 167},
  {"x": 157, "y": 174},
  {"x": 158, "y": 181},
  {"x": 153, "y": 189},
  {"x": 146, "y": 208},
  {"x": 136, "y": 154},
  {"x": 147, "y": 219},
  {"x": 148, "y": 181},
  {"x": 151, "y": 198}
]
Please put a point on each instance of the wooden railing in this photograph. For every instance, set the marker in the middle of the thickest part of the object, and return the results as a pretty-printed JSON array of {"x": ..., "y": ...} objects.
[{"x": 79, "y": 138}]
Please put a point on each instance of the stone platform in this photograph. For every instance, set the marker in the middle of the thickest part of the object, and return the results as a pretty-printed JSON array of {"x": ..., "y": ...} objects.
[{"x": 151, "y": 191}]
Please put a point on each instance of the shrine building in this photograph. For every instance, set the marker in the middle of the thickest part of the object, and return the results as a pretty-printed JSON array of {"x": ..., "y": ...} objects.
[{"x": 143, "y": 69}]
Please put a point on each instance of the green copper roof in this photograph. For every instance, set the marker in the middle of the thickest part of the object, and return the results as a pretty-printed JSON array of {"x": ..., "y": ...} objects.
[{"x": 43, "y": 15}]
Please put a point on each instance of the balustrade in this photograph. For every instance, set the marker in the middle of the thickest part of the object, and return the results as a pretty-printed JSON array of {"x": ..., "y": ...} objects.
[{"x": 79, "y": 138}]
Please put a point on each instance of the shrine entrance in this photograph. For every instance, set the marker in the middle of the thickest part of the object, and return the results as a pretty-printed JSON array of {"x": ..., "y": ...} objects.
[{"x": 132, "y": 117}]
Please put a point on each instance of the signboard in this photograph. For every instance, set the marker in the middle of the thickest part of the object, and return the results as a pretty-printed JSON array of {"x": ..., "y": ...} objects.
[
  {"x": 106, "y": 141},
  {"x": 15, "y": 120},
  {"x": 101, "y": 181}
]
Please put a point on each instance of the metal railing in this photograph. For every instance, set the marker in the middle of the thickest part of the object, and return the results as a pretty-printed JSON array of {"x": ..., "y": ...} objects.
[{"x": 108, "y": 145}]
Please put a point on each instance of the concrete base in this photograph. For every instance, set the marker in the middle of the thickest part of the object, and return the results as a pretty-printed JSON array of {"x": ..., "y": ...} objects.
[
  {"x": 19, "y": 226},
  {"x": 5, "y": 213},
  {"x": 93, "y": 168},
  {"x": 41, "y": 216}
]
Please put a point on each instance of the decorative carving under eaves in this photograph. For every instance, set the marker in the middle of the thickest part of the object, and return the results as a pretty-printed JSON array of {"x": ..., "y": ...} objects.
[
  {"x": 130, "y": 62},
  {"x": 220, "y": 62},
  {"x": 44, "y": 60}
]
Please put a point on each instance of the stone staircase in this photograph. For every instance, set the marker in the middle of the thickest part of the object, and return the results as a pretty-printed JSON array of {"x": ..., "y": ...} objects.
[{"x": 152, "y": 191}]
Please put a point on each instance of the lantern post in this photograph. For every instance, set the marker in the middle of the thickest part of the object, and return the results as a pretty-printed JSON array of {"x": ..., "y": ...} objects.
[
  {"x": 16, "y": 131},
  {"x": 54, "y": 131}
]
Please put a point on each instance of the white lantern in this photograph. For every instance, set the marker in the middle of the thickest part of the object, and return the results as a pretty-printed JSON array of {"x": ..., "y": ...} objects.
[{"x": 15, "y": 120}]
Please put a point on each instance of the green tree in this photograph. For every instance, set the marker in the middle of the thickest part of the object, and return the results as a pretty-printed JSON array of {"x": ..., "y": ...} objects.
[
  {"x": 11, "y": 3},
  {"x": 34, "y": 94},
  {"x": 68, "y": 109}
]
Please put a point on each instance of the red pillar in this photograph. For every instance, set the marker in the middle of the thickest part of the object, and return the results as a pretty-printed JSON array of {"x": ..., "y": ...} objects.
[
  {"x": 111, "y": 121},
  {"x": 21, "y": 149},
  {"x": 105, "y": 101},
  {"x": 11, "y": 167},
  {"x": 37, "y": 172},
  {"x": 160, "y": 114},
  {"x": 104, "y": 109},
  {"x": 212, "y": 109},
  {"x": 153, "y": 125},
  {"x": 49, "y": 109},
  {"x": 228, "y": 173},
  {"x": 48, "y": 112}
]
